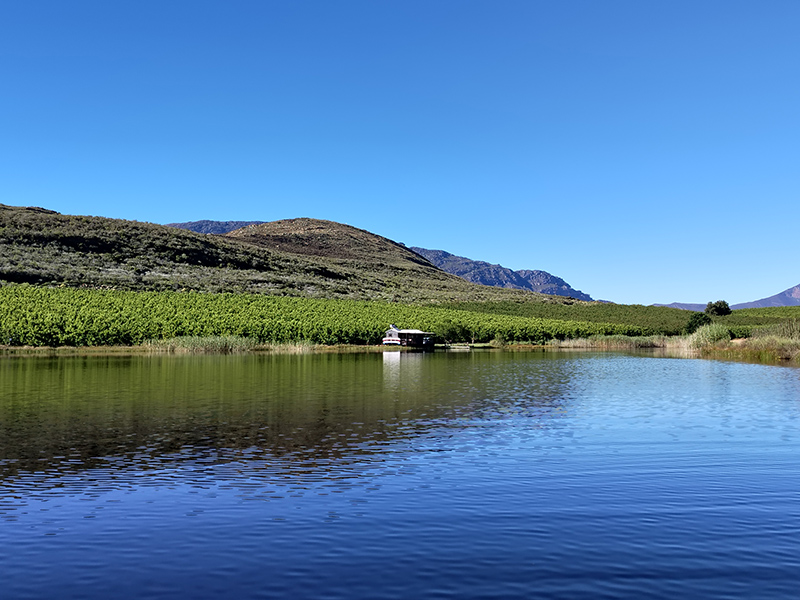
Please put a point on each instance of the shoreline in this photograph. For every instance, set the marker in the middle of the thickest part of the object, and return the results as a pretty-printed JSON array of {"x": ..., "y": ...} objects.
[
  {"x": 143, "y": 349},
  {"x": 734, "y": 350}
]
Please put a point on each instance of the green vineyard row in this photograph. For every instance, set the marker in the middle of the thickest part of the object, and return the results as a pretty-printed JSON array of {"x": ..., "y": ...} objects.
[
  {"x": 36, "y": 316},
  {"x": 653, "y": 320}
]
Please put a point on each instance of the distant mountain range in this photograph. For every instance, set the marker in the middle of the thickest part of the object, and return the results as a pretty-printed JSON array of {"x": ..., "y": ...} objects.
[
  {"x": 790, "y": 297},
  {"x": 216, "y": 227},
  {"x": 498, "y": 276},
  {"x": 485, "y": 273},
  {"x": 474, "y": 271}
]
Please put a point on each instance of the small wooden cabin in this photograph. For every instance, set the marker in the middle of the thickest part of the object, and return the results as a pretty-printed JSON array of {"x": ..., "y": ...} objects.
[{"x": 411, "y": 338}]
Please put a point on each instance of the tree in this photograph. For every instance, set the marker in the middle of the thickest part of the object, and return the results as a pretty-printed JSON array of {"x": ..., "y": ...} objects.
[
  {"x": 696, "y": 321},
  {"x": 719, "y": 308},
  {"x": 451, "y": 332}
]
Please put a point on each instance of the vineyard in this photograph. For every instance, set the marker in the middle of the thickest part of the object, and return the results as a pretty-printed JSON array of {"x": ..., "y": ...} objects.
[
  {"x": 763, "y": 316},
  {"x": 37, "y": 316},
  {"x": 653, "y": 320}
]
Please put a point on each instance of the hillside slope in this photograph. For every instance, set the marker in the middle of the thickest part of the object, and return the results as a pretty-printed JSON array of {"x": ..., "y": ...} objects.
[
  {"x": 43, "y": 247},
  {"x": 485, "y": 273},
  {"x": 330, "y": 240}
]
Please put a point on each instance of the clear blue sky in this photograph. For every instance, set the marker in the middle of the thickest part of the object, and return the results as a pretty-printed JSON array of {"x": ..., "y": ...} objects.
[{"x": 643, "y": 151}]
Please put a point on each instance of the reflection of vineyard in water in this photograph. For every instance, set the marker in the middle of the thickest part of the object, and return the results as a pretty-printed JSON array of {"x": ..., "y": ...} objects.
[{"x": 258, "y": 423}]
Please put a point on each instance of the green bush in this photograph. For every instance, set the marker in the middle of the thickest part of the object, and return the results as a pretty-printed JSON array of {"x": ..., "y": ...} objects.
[
  {"x": 719, "y": 308},
  {"x": 696, "y": 321},
  {"x": 708, "y": 335},
  {"x": 499, "y": 341},
  {"x": 740, "y": 331}
]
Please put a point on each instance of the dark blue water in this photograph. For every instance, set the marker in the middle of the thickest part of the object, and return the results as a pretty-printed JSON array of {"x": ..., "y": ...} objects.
[{"x": 474, "y": 475}]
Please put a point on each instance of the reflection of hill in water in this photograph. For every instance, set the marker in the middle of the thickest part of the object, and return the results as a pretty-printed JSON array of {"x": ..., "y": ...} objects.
[{"x": 314, "y": 417}]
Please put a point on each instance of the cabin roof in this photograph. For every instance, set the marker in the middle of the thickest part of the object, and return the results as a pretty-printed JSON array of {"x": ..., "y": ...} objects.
[{"x": 408, "y": 331}]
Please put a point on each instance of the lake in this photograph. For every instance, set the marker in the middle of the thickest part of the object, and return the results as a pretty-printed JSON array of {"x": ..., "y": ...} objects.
[{"x": 399, "y": 475}]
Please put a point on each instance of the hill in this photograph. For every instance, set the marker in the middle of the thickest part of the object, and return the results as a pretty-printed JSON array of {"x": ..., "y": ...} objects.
[
  {"x": 326, "y": 260},
  {"x": 292, "y": 236},
  {"x": 485, "y": 273},
  {"x": 330, "y": 240},
  {"x": 790, "y": 297}
]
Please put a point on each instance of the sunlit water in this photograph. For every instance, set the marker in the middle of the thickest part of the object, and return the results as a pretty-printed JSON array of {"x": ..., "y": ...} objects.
[{"x": 447, "y": 475}]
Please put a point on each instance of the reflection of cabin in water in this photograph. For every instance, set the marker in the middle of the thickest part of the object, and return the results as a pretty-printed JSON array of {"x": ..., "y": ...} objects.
[{"x": 412, "y": 338}]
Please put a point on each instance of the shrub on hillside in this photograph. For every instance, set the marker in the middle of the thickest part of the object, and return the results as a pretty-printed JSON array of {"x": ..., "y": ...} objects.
[{"x": 696, "y": 321}]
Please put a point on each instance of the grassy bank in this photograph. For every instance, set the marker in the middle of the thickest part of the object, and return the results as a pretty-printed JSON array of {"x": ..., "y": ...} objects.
[
  {"x": 779, "y": 342},
  {"x": 185, "y": 346},
  {"x": 776, "y": 343}
]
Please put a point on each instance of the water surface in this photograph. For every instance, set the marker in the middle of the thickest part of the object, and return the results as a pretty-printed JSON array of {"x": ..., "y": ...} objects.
[{"x": 463, "y": 475}]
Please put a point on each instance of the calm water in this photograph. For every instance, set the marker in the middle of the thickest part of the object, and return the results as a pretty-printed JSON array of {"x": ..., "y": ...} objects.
[{"x": 460, "y": 475}]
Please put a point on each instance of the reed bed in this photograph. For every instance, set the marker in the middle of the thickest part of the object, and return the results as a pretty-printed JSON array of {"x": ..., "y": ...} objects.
[
  {"x": 297, "y": 348},
  {"x": 789, "y": 330},
  {"x": 230, "y": 344},
  {"x": 613, "y": 342},
  {"x": 218, "y": 344},
  {"x": 776, "y": 343},
  {"x": 761, "y": 349}
]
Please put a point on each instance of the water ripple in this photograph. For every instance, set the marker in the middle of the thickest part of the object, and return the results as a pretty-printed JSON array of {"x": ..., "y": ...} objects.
[{"x": 498, "y": 475}]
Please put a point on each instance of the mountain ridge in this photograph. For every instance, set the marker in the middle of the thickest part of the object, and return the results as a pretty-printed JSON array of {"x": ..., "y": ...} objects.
[
  {"x": 279, "y": 235},
  {"x": 789, "y": 297},
  {"x": 486, "y": 273}
]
